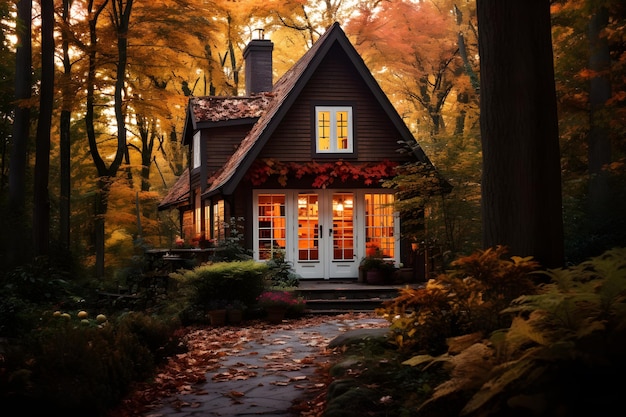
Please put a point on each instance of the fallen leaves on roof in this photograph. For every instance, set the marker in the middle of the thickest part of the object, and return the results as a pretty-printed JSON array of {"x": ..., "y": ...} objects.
[{"x": 216, "y": 109}]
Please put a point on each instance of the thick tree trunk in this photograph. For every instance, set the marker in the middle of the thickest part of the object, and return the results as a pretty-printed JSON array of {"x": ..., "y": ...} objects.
[
  {"x": 599, "y": 141},
  {"x": 17, "y": 251},
  {"x": 41, "y": 200},
  {"x": 23, "y": 85},
  {"x": 121, "y": 17},
  {"x": 521, "y": 183},
  {"x": 65, "y": 140},
  {"x": 100, "y": 204}
]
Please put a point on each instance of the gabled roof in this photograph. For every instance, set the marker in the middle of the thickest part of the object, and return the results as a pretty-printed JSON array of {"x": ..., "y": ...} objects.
[{"x": 285, "y": 93}]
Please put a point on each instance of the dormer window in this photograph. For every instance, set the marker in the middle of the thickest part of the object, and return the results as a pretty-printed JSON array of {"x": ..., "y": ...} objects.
[{"x": 333, "y": 129}]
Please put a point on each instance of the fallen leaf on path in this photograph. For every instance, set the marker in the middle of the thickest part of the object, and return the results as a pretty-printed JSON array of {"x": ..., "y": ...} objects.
[
  {"x": 280, "y": 383},
  {"x": 208, "y": 346}
]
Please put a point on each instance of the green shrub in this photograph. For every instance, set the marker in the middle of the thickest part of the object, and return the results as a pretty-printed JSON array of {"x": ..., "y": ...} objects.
[
  {"x": 561, "y": 355},
  {"x": 16, "y": 315},
  {"x": 465, "y": 300},
  {"x": 231, "y": 248},
  {"x": 228, "y": 281},
  {"x": 37, "y": 282},
  {"x": 77, "y": 367},
  {"x": 280, "y": 274}
]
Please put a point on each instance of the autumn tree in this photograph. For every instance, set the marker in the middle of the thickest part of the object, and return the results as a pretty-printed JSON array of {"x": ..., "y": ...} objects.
[
  {"x": 413, "y": 49},
  {"x": 413, "y": 46},
  {"x": 121, "y": 17},
  {"x": 589, "y": 50},
  {"x": 67, "y": 102},
  {"x": 521, "y": 181},
  {"x": 147, "y": 94}
]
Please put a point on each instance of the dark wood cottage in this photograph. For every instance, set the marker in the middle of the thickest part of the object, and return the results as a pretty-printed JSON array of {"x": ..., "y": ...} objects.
[{"x": 300, "y": 163}]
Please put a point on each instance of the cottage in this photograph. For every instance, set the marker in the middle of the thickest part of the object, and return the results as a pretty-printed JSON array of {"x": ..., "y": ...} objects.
[{"x": 301, "y": 162}]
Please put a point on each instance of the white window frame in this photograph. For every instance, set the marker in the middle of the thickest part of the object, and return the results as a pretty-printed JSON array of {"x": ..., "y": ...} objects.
[
  {"x": 196, "y": 151},
  {"x": 333, "y": 110}
]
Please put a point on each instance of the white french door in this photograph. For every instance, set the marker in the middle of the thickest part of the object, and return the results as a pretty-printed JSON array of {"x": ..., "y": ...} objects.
[
  {"x": 326, "y": 238},
  {"x": 323, "y": 233}
]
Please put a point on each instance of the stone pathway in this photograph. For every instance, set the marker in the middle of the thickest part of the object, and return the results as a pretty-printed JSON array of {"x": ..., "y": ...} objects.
[{"x": 265, "y": 371}]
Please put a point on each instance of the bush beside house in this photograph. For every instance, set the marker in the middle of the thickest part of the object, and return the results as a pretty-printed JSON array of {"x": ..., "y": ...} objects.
[{"x": 214, "y": 286}]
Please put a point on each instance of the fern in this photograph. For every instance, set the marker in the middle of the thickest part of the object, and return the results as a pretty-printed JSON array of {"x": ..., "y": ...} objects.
[
  {"x": 464, "y": 300},
  {"x": 565, "y": 347},
  {"x": 561, "y": 355}
]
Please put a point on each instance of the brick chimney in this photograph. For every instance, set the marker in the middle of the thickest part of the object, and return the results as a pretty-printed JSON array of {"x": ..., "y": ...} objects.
[{"x": 258, "y": 62}]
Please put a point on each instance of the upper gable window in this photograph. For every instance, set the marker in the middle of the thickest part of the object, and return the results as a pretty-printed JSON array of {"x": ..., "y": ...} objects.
[
  {"x": 196, "y": 149},
  {"x": 333, "y": 129}
]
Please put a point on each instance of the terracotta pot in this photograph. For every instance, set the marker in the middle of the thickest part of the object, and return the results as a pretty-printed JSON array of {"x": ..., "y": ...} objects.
[
  {"x": 375, "y": 277},
  {"x": 362, "y": 275},
  {"x": 217, "y": 317},
  {"x": 275, "y": 315},
  {"x": 405, "y": 275},
  {"x": 234, "y": 316}
]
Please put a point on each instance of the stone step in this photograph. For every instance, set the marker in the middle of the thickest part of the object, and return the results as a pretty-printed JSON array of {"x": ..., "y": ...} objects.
[
  {"x": 356, "y": 305},
  {"x": 341, "y": 296}
]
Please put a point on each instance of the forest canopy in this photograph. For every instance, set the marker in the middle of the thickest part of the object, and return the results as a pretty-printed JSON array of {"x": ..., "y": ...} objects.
[{"x": 123, "y": 70}]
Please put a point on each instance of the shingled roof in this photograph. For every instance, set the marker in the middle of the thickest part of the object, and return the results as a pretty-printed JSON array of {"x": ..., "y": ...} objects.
[
  {"x": 286, "y": 91},
  {"x": 270, "y": 108},
  {"x": 211, "y": 111},
  {"x": 178, "y": 193}
]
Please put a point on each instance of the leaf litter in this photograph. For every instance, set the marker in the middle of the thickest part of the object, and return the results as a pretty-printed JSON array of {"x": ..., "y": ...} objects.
[{"x": 207, "y": 347}]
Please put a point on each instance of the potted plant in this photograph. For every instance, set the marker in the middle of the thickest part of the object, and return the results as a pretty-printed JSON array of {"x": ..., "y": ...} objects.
[
  {"x": 217, "y": 312},
  {"x": 234, "y": 311},
  {"x": 376, "y": 269},
  {"x": 277, "y": 303}
]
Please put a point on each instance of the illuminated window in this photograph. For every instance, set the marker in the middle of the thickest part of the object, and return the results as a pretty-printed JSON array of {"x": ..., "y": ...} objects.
[
  {"x": 333, "y": 129},
  {"x": 271, "y": 225},
  {"x": 219, "y": 226},
  {"x": 379, "y": 224}
]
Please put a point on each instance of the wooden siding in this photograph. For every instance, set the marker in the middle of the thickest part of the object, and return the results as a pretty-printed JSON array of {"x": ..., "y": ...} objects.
[
  {"x": 221, "y": 143},
  {"x": 335, "y": 80}
]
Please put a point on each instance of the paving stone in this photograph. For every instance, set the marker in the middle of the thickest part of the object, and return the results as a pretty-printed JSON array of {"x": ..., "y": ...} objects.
[
  {"x": 357, "y": 336},
  {"x": 269, "y": 374}
]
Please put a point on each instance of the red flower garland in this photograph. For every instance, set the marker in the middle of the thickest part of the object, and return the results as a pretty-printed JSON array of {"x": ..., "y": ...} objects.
[{"x": 325, "y": 173}]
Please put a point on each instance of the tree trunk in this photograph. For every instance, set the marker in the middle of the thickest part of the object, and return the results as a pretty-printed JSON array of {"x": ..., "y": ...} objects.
[
  {"x": 65, "y": 139},
  {"x": 599, "y": 141},
  {"x": 100, "y": 210},
  {"x": 121, "y": 18},
  {"x": 521, "y": 182},
  {"x": 147, "y": 148},
  {"x": 19, "y": 150},
  {"x": 41, "y": 200}
]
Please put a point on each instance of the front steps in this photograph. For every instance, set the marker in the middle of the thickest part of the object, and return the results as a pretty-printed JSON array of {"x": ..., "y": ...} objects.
[{"x": 335, "y": 297}]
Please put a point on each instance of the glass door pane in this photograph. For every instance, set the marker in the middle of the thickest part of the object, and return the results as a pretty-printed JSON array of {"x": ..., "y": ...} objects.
[
  {"x": 343, "y": 226},
  {"x": 379, "y": 224},
  {"x": 271, "y": 225},
  {"x": 308, "y": 227}
]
